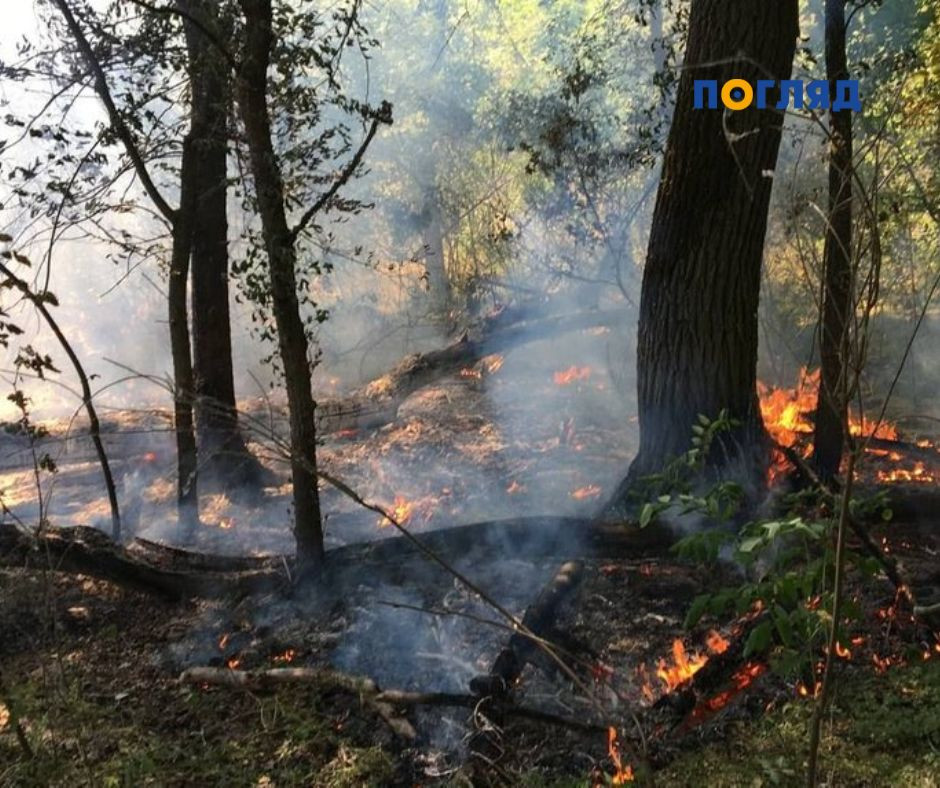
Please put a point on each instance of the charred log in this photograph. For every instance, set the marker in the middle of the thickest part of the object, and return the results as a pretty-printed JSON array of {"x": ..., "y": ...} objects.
[
  {"x": 87, "y": 551},
  {"x": 377, "y": 403},
  {"x": 178, "y": 574},
  {"x": 495, "y": 688}
]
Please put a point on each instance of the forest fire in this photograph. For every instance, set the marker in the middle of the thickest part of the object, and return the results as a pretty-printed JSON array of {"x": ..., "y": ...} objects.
[
  {"x": 573, "y": 374},
  {"x": 402, "y": 510},
  {"x": 588, "y": 491},
  {"x": 742, "y": 678},
  {"x": 622, "y": 775},
  {"x": 787, "y": 415},
  {"x": 684, "y": 665}
]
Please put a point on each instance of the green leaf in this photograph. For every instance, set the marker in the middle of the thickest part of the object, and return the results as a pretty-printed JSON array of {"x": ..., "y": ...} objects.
[
  {"x": 698, "y": 609},
  {"x": 646, "y": 514},
  {"x": 759, "y": 639},
  {"x": 750, "y": 544}
]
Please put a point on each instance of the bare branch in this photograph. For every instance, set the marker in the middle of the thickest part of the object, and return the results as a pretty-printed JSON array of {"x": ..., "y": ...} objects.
[
  {"x": 384, "y": 115},
  {"x": 114, "y": 115}
]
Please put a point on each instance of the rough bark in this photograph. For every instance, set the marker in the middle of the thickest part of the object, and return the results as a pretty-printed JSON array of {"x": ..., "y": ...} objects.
[
  {"x": 282, "y": 259},
  {"x": 225, "y": 461},
  {"x": 831, "y": 408},
  {"x": 698, "y": 331}
]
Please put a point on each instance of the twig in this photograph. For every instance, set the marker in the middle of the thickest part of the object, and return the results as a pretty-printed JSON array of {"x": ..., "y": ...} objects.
[{"x": 837, "y": 598}]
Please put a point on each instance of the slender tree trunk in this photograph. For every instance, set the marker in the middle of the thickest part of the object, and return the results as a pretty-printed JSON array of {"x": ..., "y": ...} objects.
[
  {"x": 181, "y": 223},
  {"x": 833, "y": 399},
  {"x": 187, "y": 489},
  {"x": 435, "y": 263},
  {"x": 698, "y": 329},
  {"x": 224, "y": 458},
  {"x": 282, "y": 259}
]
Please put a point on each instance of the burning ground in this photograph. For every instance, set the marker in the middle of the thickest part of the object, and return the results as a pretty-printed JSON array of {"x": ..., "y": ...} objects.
[{"x": 511, "y": 434}]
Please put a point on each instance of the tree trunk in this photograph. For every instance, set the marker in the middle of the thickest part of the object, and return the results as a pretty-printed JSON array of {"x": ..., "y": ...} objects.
[
  {"x": 434, "y": 257},
  {"x": 224, "y": 459},
  {"x": 833, "y": 398},
  {"x": 186, "y": 461},
  {"x": 282, "y": 258},
  {"x": 698, "y": 331}
]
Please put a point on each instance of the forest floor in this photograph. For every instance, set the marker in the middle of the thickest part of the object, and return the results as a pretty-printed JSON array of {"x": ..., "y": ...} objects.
[{"x": 92, "y": 672}]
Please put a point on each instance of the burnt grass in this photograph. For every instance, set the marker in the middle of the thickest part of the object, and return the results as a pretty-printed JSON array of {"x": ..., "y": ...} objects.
[{"x": 92, "y": 671}]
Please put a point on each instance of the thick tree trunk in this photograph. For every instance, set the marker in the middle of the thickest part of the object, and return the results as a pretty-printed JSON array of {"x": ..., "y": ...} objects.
[
  {"x": 837, "y": 273},
  {"x": 698, "y": 331},
  {"x": 224, "y": 459},
  {"x": 282, "y": 259}
]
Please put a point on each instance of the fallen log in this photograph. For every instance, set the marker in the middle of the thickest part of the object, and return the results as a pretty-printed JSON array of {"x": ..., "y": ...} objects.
[
  {"x": 87, "y": 551},
  {"x": 377, "y": 403}
]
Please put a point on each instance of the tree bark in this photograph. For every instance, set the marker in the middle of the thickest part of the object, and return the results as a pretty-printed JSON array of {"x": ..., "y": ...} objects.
[
  {"x": 282, "y": 259},
  {"x": 698, "y": 331},
  {"x": 224, "y": 458},
  {"x": 832, "y": 404},
  {"x": 187, "y": 492}
]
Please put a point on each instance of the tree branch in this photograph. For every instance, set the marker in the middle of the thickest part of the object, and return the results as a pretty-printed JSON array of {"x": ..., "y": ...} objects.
[
  {"x": 384, "y": 115},
  {"x": 114, "y": 115}
]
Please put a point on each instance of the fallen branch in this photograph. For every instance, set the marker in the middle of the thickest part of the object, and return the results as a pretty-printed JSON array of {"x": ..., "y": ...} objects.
[
  {"x": 180, "y": 574},
  {"x": 380, "y": 700},
  {"x": 255, "y": 680}
]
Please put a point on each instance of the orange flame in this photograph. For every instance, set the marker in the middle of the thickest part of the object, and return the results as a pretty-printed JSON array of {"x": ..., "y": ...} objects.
[
  {"x": 287, "y": 657},
  {"x": 684, "y": 665},
  {"x": 623, "y": 774},
  {"x": 571, "y": 375},
  {"x": 590, "y": 491},
  {"x": 401, "y": 511}
]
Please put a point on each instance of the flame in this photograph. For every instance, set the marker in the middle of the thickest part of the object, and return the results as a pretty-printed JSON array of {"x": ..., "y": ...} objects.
[
  {"x": 716, "y": 643},
  {"x": 233, "y": 663},
  {"x": 515, "y": 487},
  {"x": 571, "y": 375},
  {"x": 150, "y": 456},
  {"x": 916, "y": 474},
  {"x": 590, "y": 491},
  {"x": 287, "y": 657},
  {"x": 805, "y": 692},
  {"x": 622, "y": 775},
  {"x": 684, "y": 665},
  {"x": 223, "y": 641},
  {"x": 786, "y": 413},
  {"x": 740, "y": 680},
  {"x": 470, "y": 372},
  {"x": 401, "y": 511},
  {"x": 683, "y": 668},
  {"x": 4, "y": 715},
  {"x": 494, "y": 363}
]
